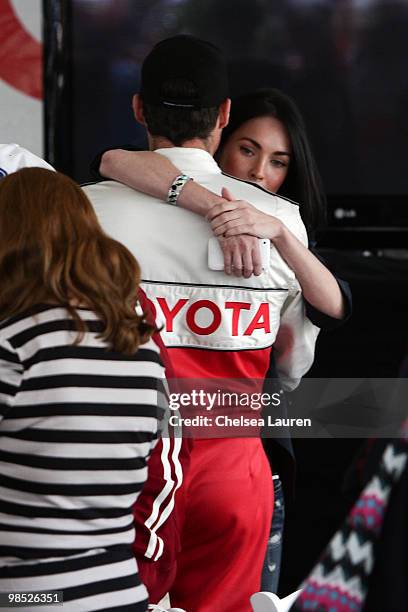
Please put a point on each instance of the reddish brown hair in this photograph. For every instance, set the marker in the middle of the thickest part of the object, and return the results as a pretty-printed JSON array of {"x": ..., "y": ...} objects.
[{"x": 53, "y": 250}]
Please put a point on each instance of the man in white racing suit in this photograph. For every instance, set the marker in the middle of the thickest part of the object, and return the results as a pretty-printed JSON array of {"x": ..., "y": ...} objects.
[{"x": 215, "y": 326}]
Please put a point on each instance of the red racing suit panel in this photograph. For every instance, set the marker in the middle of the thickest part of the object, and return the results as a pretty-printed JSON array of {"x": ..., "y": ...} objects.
[{"x": 202, "y": 363}]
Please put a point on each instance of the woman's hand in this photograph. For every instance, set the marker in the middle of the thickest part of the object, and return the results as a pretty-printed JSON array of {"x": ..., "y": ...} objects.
[
  {"x": 242, "y": 256},
  {"x": 235, "y": 217}
]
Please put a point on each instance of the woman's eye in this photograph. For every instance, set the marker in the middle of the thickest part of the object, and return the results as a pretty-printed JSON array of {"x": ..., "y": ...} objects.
[
  {"x": 277, "y": 163},
  {"x": 246, "y": 150}
]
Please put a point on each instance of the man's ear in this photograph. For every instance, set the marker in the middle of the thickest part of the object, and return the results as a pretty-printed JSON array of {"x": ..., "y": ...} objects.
[
  {"x": 224, "y": 113},
  {"x": 137, "y": 105}
]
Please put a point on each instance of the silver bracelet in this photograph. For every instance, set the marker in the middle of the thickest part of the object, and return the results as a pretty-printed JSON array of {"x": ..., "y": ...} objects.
[{"x": 176, "y": 187}]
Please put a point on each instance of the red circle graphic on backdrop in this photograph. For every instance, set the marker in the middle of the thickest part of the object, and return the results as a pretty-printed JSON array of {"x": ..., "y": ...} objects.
[{"x": 20, "y": 54}]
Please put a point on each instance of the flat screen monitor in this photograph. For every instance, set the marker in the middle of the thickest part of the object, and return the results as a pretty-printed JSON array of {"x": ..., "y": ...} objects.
[{"x": 343, "y": 61}]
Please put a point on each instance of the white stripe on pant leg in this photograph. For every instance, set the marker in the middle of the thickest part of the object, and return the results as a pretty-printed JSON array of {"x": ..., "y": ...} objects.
[{"x": 154, "y": 540}]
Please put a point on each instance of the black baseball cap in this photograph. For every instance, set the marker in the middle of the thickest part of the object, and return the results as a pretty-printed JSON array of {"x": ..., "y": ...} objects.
[{"x": 185, "y": 57}]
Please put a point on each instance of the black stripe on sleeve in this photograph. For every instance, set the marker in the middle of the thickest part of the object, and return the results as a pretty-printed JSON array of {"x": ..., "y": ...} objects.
[
  {"x": 37, "y": 553},
  {"x": 86, "y": 514},
  {"x": 103, "y": 586},
  {"x": 8, "y": 389},
  {"x": 6, "y": 355},
  {"x": 89, "y": 352},
  {"x": 21, "y": 338},
  {"x": 33, "y": 310},
  {"x": 72, "y": 463},
  {"x": 81, "y": 437},
  {"x": 87, "y": 409},
  {"x": 90, "y": 380},
  {"x": 71, "y": 532},
  {"x": 71, "y": 490},
  {"x": 114, "y": 554}
]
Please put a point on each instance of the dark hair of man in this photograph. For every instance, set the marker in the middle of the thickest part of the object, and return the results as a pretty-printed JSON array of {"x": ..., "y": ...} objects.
[
  {"x": 179, "y": 123},
  {"x": 303, "y": 182}
]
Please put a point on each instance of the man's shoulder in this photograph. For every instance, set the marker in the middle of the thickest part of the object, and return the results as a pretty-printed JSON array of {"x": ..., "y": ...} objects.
[
  {"x": 104, "y": 184},
  {"x": 108, "y": 188},
  {"x": 13, "y": 158},
  {"x": 117, "y": 202}
]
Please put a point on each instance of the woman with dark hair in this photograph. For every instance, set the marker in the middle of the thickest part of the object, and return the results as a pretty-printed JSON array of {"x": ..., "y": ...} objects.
[
  {"x": 80, "y": 384},
  {"x": 293, "y": 173},
  {"x": 265, "y": 143}
]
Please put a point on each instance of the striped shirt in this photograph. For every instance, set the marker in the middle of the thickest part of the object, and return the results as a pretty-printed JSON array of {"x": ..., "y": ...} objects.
[{"x": 77, "y": 425}]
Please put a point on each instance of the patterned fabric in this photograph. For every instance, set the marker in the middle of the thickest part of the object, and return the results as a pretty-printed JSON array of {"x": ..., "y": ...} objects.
[
  {"x": 176, "y": 187},
  {"x": 339, "y": 582}
]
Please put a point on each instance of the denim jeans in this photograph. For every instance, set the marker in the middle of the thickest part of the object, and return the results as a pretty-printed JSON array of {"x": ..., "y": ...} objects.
[{"x": 272, "y": 563}]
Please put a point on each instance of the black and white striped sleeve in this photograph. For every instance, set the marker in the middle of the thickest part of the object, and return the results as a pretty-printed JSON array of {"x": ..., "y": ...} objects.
[{"x": 10, "y": 376}]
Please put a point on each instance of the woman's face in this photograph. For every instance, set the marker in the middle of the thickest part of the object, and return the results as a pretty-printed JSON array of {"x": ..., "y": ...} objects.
[{"x": 258, "y": 151}]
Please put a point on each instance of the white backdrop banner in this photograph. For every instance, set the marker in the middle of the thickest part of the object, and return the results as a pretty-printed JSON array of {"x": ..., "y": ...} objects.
[{"x": 21, "y": 90}]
